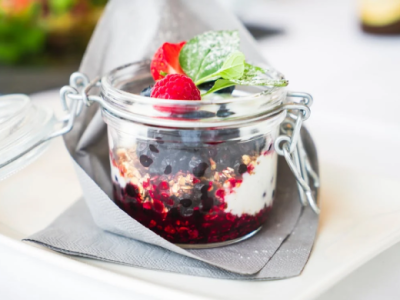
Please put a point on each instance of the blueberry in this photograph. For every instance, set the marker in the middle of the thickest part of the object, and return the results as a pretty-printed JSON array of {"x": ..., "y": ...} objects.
[
  {"x": 145, "y": 160},
  {"x": 153, "y": 149},
  {"x": 208, "y": 85},
  {"x": 200, "y": 170},
  {"x": 167, "y": 170},
  {"x": 224, "y": 112},
  {"x": 186, "y": 202},
  {"x": 187, "y": 205},
  {"x": 168, "y": 164},
  {"x": 200, "y": 114},
  {"x": 242, "y": 169},
  {"x": 230, "y": 133},
  {"x": 132, "y": 191},
  {"x": 146, "y": 91}
]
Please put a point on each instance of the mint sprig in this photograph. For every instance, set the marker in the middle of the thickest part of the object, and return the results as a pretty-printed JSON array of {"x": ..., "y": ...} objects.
[
  {"x": 215, "y": 55},
  {"x": 252, "y": 76}
]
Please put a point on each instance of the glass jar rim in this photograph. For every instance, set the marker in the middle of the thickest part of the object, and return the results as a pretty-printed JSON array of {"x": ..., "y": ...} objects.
[
  {"x": 109, "y": 88},
  {"x": 242, "y": 106}
]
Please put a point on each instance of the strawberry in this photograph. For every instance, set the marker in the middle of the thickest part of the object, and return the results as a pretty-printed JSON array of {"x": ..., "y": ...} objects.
[
  {"x": 166, "y": 59},
  {"x": 175, "y": 87}
]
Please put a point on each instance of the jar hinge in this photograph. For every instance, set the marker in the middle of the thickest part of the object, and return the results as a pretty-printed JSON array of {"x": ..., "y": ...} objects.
[{"x": 290, "y": 146}]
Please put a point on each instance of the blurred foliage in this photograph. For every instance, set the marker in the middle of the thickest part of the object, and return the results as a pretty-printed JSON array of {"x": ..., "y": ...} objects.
[{"x": 33, "y": 30}]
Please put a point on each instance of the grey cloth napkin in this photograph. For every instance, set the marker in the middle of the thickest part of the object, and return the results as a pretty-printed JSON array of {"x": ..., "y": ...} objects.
[{"x": 130, "y": 31}]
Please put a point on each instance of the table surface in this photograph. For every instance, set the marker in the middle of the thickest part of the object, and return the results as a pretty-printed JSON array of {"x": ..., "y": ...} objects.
[{"x": 354, "y": 85}]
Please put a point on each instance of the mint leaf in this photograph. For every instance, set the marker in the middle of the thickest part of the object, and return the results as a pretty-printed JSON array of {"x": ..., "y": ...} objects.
[
  {"x": 262, "y": 82},
  {"x": 232, "y": 68},
  {"x": 251, "y": 70},
  {"x": 251, "y": 76},
  {"x": 219, "y": 85},
  {"x": 205, "y": 54},
  {"x": 254, "y": 75}
]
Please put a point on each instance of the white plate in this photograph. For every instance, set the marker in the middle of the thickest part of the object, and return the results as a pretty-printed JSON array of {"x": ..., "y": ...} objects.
[{"x": 360, "y": 218}]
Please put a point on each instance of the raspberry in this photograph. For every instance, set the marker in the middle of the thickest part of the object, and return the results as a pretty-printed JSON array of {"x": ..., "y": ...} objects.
[
  {"x": 175, "y": 87},
  {"x": 166, "y": 59}
]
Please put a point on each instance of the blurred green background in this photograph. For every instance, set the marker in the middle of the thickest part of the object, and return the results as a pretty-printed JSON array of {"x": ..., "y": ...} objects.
[{"x": 42, "y": 41}]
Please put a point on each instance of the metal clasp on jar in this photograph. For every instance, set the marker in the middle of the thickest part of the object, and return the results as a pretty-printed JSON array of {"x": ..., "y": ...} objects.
[{"x": 290, "y": 146}]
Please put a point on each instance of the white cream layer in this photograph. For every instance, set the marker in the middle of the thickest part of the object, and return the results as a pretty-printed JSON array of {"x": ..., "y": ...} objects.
[{"x": 249, "y": 197}]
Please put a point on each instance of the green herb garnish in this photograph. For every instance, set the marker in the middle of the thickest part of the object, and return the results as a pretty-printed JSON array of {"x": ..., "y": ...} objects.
[{"x": 215, "y": 55}]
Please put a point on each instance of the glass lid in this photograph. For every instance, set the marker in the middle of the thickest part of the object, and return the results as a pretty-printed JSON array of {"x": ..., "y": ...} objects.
[{"x": 22, "y": 126}]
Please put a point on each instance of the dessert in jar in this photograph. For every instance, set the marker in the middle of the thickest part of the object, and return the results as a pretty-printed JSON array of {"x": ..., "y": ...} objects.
[{"x": 197, "y": 165}]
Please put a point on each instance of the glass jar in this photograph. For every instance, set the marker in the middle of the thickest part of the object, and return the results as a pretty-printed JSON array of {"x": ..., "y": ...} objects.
[
  {"x": 194, "y": 172},
  {"x": 198, "y": 173}
]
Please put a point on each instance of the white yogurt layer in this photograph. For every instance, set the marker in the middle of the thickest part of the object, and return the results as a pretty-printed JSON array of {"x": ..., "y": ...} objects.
[{"x": 256, "y": 189}]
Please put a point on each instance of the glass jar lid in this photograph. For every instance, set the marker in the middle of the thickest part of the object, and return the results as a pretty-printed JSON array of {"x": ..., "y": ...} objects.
[{"x": 22, "y": 126}]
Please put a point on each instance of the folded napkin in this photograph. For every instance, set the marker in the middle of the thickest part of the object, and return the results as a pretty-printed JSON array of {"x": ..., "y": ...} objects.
[
  {"x": 131, "y": 31},
  {"x": 280, "y": 250}
]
